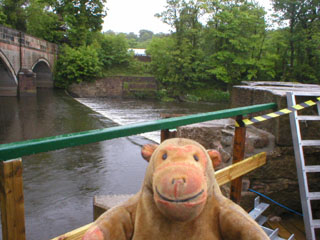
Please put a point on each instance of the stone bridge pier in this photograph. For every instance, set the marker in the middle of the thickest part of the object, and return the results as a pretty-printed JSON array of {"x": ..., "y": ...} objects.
[{"x": 26, "y": 63}]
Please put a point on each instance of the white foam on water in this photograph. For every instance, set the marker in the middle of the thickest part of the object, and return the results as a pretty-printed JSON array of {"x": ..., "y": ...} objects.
[{"x": 121, "y": 116}]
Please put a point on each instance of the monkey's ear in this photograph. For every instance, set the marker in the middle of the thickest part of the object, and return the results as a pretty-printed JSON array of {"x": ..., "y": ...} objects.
[
  {"x": 147, "y": 150},
  {"x": 215, "y": 157}
]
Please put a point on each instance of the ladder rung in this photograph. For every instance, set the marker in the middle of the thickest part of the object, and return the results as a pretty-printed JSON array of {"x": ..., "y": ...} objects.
[
  {"x": 315, "y": 223},
  {"x": 310, "y": 142},
  {"x": 314, "y": 168},
  {"x": 308, "y": 118},
  {"x": 313, "y": 195}
]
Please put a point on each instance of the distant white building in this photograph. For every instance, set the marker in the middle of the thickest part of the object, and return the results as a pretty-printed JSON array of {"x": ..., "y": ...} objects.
[{"x": 138, "y": 51}]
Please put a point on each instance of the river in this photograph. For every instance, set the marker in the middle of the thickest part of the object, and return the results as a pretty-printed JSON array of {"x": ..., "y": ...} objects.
[{"x": 59, "y": 186}]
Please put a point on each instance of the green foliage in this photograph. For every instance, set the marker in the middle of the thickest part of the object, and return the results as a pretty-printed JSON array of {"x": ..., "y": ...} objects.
[
  {"x": 76, "y": 65},
  {"x": 14, "y": 14},
  {"x": 209, "y": 94},
  {"x": 3, "y": 17},
  {"x": 81, "y": 17},
  {"x": 302, "y": 39},
  {"x": 234, "y": 37},
  {"x": 113, "y": 50},
  {"x": 162, "y": 95},
  {"x": 227, "y": 49},
  {"x": 134, "y": 68},
  {"x": 60, "y": 21},
  {"x": 142, "y": 40},
  {"x": 43, "y": 23}
]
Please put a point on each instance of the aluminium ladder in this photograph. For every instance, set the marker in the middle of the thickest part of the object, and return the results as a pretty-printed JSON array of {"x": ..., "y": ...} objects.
[{"x": 302, "y": 169}]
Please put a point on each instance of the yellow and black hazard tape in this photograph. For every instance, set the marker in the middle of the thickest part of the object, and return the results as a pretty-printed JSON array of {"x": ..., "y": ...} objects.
[{"x": 246, "y": 122}]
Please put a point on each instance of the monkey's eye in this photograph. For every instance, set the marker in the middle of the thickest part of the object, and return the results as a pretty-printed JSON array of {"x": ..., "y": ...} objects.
[
  {"x": 164, "y": 156},
  {"x": 196, "y": 158}
]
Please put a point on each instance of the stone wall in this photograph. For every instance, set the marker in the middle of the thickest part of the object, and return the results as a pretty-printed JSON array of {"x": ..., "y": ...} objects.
[
  {"x": 126, "y": 87},
  {"x": 252, "y": 93}
]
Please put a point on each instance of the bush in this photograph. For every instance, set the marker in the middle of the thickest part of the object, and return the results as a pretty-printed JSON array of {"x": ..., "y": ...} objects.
[
  {"x": 76, "y": 65},
  {"x": 113, "y": 50},
  {"x": 209, "y": 95},
  {"x": 162, "y": 95}
]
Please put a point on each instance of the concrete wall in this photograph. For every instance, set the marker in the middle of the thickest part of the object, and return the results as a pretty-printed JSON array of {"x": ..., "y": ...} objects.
[{"x": 118, "y": 86}]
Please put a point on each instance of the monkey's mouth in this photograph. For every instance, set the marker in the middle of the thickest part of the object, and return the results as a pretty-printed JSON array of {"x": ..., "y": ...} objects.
[{"x": 179, "y": 200}]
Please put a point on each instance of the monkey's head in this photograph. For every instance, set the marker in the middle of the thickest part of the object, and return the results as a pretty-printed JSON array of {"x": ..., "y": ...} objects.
[{"x": 180, "y": 176}]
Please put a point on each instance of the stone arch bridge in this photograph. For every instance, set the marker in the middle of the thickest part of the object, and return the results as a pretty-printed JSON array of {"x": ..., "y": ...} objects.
[{"x": 26, "y": 62}]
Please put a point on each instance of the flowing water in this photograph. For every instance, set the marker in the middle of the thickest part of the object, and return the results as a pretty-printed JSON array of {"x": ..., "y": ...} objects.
[
  {"x": 59, "y": 185},
  {"x": 127, "y": 111}
]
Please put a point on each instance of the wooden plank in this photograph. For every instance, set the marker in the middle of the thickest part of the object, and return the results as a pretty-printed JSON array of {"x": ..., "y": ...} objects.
[
  {"x": 164, "y": 135},
  {"x": 223, "y": 176},
  {"x": 75, "y": 234},
  {"x": 296, "y": 221},
  {"x": 234, "y": 171},
  {"x": 293, "y": 229},
  {"x": 12, "y": 200},
  {"x": 238, "y": 155}
]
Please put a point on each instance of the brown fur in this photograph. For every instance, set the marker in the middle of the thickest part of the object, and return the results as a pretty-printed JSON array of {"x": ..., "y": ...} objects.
[{"x": 148, "y": 215}]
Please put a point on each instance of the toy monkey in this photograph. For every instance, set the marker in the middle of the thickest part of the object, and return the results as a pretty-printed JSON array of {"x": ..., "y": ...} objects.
[{"x": 179, "y": 199}]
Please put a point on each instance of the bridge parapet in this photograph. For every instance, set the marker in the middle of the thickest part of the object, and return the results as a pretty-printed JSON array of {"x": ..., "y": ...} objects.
[{"x": 15, "y": 37}]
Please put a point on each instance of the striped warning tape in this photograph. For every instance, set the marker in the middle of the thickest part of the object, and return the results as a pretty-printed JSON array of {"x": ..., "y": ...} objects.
[{"x": 246, "y": 122}]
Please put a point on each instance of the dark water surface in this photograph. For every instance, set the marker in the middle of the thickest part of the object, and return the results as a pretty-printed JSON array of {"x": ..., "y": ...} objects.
[{"x": 59, "y": 186}]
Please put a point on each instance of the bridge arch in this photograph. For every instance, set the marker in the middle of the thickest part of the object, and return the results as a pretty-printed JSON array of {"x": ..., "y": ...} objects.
[
  {"x": 43, "y": 72},
  {"x": 8, "y": 78}
]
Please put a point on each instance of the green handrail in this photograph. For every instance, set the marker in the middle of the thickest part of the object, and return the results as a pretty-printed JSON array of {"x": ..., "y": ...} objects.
[{"x": 19, "y": 149}]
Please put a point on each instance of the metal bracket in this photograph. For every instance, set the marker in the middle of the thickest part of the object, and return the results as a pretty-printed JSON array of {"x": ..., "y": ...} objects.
[{"x": 256, "y": 214}]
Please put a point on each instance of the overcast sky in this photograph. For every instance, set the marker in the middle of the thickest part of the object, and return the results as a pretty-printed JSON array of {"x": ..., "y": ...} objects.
[{"x": 134, "y": 15}]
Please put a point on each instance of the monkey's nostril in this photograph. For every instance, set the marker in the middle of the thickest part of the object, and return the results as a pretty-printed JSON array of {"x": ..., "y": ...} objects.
[{"x": 179, "y": 180}]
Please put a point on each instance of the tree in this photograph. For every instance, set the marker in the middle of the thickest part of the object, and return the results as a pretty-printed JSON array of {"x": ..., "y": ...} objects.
[
  {"x": 76, "y": 65},
  {"x": 145, "y": 35},
  {"x": 303, "y": 19},
  {"x": 186, "y": 65},
  {"x": 81, "y": 18},
  {"x": 43, "y": 23},
  {"x": 132, "y": 39},
  {"x": 3, "y": 17},
  {"x": 234, "y": 38},
  {"x": 113, "y": 50},
  {"x": 15, "y": 15}
]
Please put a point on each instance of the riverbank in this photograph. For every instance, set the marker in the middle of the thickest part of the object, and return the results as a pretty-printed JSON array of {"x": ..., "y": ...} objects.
[{"x": 143, "y": 87}]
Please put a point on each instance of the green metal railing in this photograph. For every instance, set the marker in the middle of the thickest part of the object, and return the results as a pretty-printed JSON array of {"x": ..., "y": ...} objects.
[{"x": 19, "y": 149}]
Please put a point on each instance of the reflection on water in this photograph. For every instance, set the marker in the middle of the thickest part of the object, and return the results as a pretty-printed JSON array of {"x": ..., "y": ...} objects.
[{"x": 59, "y": 186}]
